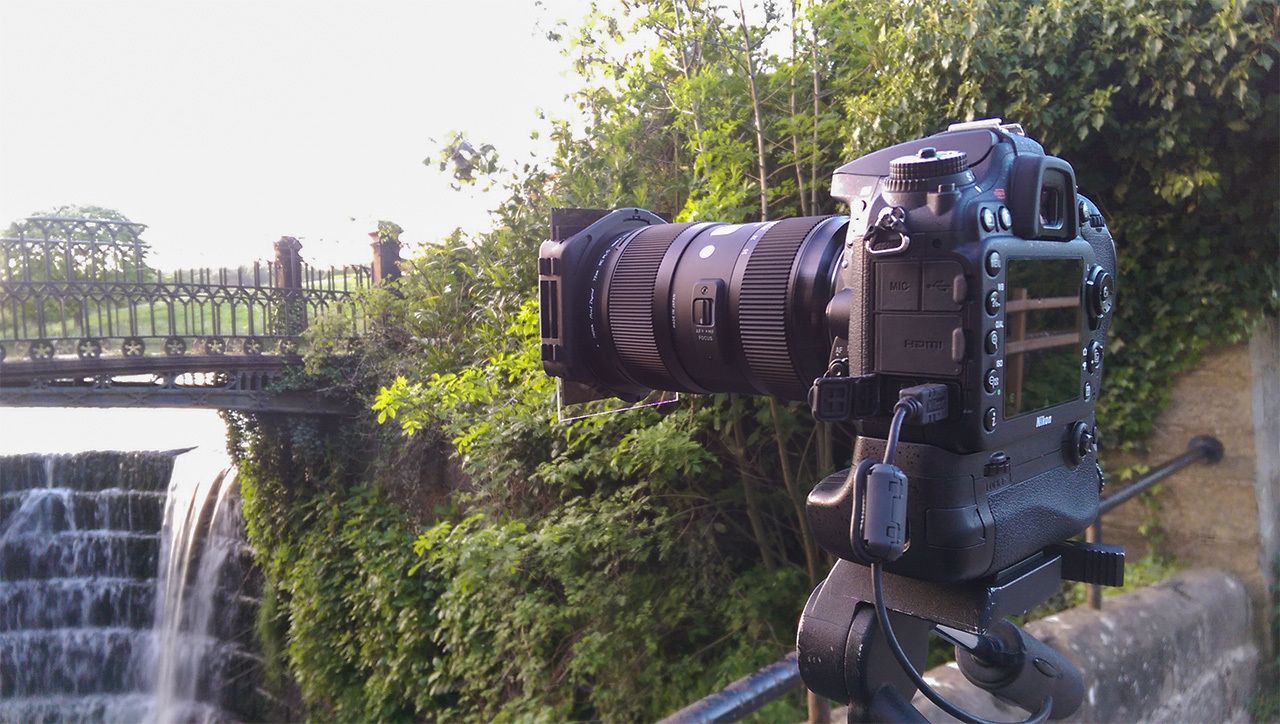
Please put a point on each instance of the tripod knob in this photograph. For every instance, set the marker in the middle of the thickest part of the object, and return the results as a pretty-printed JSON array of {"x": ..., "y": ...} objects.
[{"x": 1024, "y": 671}]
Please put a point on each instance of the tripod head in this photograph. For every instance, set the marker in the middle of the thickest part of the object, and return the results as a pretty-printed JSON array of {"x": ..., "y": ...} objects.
[{"x": 846, "y": 656}]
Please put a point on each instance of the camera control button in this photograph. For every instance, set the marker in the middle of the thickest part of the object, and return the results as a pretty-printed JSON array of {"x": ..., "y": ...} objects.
[
  {"x": 1006, "y": 218},
  {"x": 994, "y": 263},
  {"x": 991, "y": 382},
  {"x": 987, "y": 218},
  {"x": 998, "y": 464},
  {"x": 1101, "y": 290},
  {"x": 992, "y": 342},
  {"x": 938, "y": 286},
  {"x": 1093, "y": 357},
  {"x": 993, "y": 303},
  {"x": 989, "y": 419}
]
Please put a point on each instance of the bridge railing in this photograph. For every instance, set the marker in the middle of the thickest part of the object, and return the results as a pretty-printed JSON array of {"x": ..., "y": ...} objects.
[{"x": 82, "y": 287}]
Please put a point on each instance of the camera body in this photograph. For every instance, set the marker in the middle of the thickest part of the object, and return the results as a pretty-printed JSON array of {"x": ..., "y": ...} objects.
[
  {"x": 1004, "y": 292},
  {"x": 967, "y": 259}
]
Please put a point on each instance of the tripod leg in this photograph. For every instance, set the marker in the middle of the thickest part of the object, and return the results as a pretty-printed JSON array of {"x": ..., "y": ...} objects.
[
  {"x": 843, "y": 655},
  {"x": 889, "y": 705}
]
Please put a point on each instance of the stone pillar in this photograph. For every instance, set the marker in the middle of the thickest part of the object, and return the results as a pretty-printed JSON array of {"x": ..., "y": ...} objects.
[
  {"x": 386, "y": 252},
  {"x": 287, "y": 273},
  {"x": 1264, "y": 362},
  {"x": 286, "y": 278}
]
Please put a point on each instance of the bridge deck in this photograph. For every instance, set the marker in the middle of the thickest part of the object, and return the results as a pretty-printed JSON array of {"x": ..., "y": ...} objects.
[{"x": 198, "y": 381}]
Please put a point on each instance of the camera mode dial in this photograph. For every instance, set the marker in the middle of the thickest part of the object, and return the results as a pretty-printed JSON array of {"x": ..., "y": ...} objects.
[{"x": 914, "y": 173}]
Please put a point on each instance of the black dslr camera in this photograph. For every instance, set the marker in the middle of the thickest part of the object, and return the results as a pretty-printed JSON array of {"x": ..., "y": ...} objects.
[{"x": 957, "y": 316}]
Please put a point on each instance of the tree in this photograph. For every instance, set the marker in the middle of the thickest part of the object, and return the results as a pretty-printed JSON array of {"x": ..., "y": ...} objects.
[{"x": 67, "y": 243}]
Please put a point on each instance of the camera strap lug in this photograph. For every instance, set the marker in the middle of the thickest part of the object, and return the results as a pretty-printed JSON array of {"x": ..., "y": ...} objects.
[{"x": 889, "y": 234}]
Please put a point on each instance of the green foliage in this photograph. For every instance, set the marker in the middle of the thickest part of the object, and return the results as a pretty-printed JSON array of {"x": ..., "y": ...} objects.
[
  {"x": 466, "y": 163},
  {"x": 617, "y": 567},
  {"x": 594, "y": 612},
  {"x": 360, "y": 623},
  {"x": 341, "y": 611}
]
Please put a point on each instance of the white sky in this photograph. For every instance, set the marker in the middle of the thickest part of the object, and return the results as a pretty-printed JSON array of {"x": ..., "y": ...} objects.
[{"x": 225, "y": 124}]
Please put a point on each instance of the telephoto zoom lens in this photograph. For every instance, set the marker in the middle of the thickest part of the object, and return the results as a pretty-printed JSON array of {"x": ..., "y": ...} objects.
[{"x": 710, "y": 307}]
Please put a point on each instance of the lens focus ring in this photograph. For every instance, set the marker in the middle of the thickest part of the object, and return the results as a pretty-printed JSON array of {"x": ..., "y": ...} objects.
[
  {"x": 630, "y": 311},
  {"x": 762, "y": 307}
]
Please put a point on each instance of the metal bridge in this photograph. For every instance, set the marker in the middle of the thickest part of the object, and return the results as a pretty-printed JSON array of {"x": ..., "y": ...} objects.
[{"x": 85, "y": 322}]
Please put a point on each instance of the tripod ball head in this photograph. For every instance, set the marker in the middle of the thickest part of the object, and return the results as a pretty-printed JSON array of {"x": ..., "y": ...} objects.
[{"x": 1023, "y": 670}]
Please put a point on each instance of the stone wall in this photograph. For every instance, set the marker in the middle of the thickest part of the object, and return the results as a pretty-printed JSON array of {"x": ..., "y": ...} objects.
[
  {"x": 1221, "y": 516},
  {"x": 1181, "y": 650}
]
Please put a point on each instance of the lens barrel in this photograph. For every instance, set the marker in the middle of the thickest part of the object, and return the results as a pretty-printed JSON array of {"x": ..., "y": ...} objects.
[{"x": 709, "y": 307}]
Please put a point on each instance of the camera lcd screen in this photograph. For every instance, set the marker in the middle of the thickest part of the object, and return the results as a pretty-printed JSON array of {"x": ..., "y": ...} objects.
[{"x": 1042, "y": 334}]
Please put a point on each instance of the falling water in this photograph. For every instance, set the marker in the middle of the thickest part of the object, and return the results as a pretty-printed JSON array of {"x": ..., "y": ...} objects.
[
  {"x": 119, "y": 600},
  {"x": 202, "y": 617}
]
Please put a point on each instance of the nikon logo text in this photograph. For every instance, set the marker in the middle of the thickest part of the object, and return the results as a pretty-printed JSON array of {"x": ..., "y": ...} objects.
[
  {"x": 1043, "y": 420},
  {"x": 921, "y": 344}
]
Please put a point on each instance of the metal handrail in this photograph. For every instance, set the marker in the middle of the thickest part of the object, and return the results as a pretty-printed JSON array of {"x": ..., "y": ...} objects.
[
  {"x": 1205, "y": 448},
  {"x": 752, "y": 692},
  {"x": 743, "y": 696}
]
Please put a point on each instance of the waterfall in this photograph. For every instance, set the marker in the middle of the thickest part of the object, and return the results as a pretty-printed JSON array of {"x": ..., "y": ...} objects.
[
  {"x": 201, "y": 622},
  {"x": 121, "y": 590}
]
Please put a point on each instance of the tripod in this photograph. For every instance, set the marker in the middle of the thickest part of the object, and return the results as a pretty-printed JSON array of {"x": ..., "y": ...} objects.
[{"x": 844, "y": 654}]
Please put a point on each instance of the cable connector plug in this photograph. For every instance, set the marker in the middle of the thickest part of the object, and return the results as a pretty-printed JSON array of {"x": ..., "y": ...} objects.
[{"x": 924, "y": 404}]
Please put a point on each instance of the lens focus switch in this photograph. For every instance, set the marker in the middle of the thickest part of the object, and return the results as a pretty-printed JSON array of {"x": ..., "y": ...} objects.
[{"x": 704, "y": 312}]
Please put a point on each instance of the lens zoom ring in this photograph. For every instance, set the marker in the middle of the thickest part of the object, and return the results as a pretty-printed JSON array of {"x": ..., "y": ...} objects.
[
  {"x": 630, "y": 299},
  {"x": 762, "y": 307}
]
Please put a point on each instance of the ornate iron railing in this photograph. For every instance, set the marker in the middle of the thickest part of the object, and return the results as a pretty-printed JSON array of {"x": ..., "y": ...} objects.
[{"x": 82, "y": 287}]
